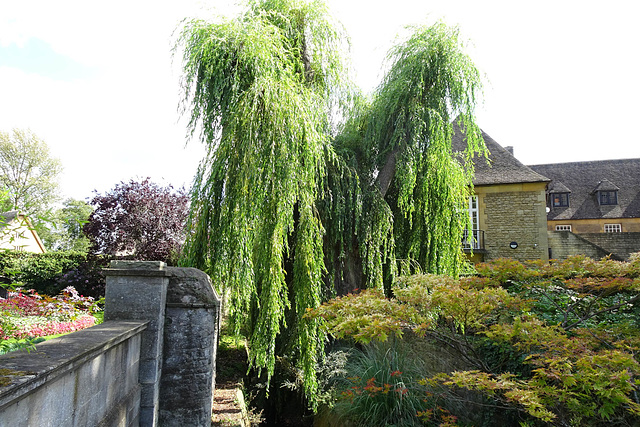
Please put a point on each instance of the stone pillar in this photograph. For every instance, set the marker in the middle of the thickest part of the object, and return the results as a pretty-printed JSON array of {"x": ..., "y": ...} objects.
[
  {"x": 190, "y": 344},
  {"x": 137, "y": 290}
]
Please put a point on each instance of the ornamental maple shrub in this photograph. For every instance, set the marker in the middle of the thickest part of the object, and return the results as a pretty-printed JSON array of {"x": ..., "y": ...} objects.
[
  {"x": 556, "y": 343},
  {"x": 139, "y": 220}
]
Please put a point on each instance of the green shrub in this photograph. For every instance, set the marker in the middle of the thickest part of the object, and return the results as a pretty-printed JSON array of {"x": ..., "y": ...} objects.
[
  {"x": 28, "y": 344},
  {"x": 504, "y": 270},
  {"x": 51, "y": 272},
  {"x": 383, "y": 389},
  {"x": 556, "y": 342}
]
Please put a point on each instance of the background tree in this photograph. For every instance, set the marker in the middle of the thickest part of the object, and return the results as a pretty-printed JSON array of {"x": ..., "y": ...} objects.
[
  {"x": 65, "y": 229},
  {"x": 280, "y": 199},
  {"x": 28, "y": 173},
  {"x": 139, "y": 220}
]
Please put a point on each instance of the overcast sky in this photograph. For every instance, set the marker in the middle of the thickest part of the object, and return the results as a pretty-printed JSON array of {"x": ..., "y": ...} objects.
[{"x": 95, "y": 80}]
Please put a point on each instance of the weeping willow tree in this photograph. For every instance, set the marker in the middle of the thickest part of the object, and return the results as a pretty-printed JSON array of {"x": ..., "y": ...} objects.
[
  {"x": 305, "y": 187},
  {"x": 410, "y": 126}
]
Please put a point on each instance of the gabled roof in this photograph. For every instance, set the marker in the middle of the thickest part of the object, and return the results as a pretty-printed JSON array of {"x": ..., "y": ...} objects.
[
  {"x": 16, "y": 231},
  {"x": 606, "y": 185},
  {"x": 557, "y": 187},
  {"x": 501, "y": 168},
  {"x": 7, "y": 217},
  {"x": 586, "y": 178}
]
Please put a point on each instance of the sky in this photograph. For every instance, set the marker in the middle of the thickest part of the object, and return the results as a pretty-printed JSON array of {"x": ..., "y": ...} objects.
[{"x": 97, "y": 82}]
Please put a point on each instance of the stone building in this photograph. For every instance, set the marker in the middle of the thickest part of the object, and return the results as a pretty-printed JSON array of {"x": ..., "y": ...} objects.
[
  {"x": 552, "y": 210},
  {"x": 507, "y": 210},
  {"x": 593, "y": 207}
]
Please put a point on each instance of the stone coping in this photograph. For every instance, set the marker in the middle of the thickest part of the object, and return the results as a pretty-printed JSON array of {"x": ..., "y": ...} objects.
[
  {"x": 58, "y": 356},
  {"x": 137, "y": 268}
]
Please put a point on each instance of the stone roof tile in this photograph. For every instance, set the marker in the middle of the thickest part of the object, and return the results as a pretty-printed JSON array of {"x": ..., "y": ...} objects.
[
  {"x": 586, "y": 178},
  {"x": 558, "y": 187},
  {"x": 500, "y": 168}
]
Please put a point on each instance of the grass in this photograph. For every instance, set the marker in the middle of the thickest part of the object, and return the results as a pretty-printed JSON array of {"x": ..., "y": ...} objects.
[
  {"x": 232, "y": 357},
  {"x": 99, "y": 315},
  {"x": 13, "y": 344},
  {"x": 382, "y": 388}
]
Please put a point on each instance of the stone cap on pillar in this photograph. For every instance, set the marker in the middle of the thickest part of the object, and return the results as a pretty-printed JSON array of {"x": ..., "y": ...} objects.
[
  {"x": 137, "y": 268},
  {"x": 192, "y": 288}
]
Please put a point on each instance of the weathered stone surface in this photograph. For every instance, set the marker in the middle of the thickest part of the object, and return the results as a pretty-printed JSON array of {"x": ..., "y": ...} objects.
[
  {"x": 528, "y": 227},
  {"x": 130, "y": 369},
  {"x": 563, "y": 244},
  {"x": 190, "y": 286},
  {"x": 136, "y": 268},
  {"x": 86, "y": 378},
  {"x": 190, "y": 340},
  {"x": 619, "y": 245},
  {"x": 138, "y": 290}
]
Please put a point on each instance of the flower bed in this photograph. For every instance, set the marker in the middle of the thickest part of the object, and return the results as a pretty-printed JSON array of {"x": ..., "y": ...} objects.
[
  {"x": 40, "y": 327},
  {"x": 27, "y": 314}
]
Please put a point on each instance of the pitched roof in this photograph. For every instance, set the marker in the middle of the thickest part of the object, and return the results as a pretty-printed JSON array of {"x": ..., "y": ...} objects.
[
  {"x": 585, "y": 179},
  {"x": 557, "y": 187},
  {"x": 606, "y": 185},
  {"x": 501, "y": 168},
  {"x": 18, "y": 223},
  {"x": 7, "y": 217}
]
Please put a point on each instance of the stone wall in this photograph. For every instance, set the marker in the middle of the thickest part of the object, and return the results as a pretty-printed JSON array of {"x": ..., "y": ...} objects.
[
  {"x": 514, "y": 216},
  {"x": 596, "y": 225},
  {"x": 563, "y": 244},
  {"x": 190, "y": 345},
  {"x": 593, "y": 245},
  {"x": 138, "y": 291},
  {"x": 152, "y": 362},
  {"x": 619, "y": 244},
  {"x": 177, "y": 366},
  {"x": 87, "y": 378}
]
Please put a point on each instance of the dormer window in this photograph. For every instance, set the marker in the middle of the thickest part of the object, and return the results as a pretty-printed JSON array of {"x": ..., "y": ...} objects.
[
  {"x": 607, "y": 192},
  {"x": 608, "y": 197},
  {"x": 559, "y": 200},
  {"x": 558, "y": 194}
]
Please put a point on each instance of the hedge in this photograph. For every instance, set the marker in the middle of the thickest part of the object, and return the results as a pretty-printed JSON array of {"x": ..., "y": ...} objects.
[{"x": 50, "y": 272}]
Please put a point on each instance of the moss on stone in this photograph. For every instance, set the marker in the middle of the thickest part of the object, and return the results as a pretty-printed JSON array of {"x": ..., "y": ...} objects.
[{"x": 7, "y": 374}]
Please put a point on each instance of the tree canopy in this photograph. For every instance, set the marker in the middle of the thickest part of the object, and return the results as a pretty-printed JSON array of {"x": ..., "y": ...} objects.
[
  {"x": 28, "y": 172},
  {"x": 308, "y": 188},
  {"x": 140, "y": 220},
  {"x": 64, "y": 231}
]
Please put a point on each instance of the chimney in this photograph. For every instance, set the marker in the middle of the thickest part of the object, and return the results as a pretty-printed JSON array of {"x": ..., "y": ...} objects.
[{"x": 509, "y": 148}]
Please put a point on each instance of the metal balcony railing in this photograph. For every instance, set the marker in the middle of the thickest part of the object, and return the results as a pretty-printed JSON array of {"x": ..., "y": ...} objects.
[{"x": 473, "y": 239}]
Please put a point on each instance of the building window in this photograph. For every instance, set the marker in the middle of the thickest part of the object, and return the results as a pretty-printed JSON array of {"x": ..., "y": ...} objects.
[
  {"x": 564, "y": 227},
  {"x": 559, "y": 200},
  {"x": 613, "y": 228},
  {"x": 474, "y": 216},
  {"x": 472, "y": 238},
  {"x": 608, "y": 197}
]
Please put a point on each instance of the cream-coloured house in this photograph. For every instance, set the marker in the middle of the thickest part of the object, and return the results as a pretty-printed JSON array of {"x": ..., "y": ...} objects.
[{"x": 17, "y": 233}]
